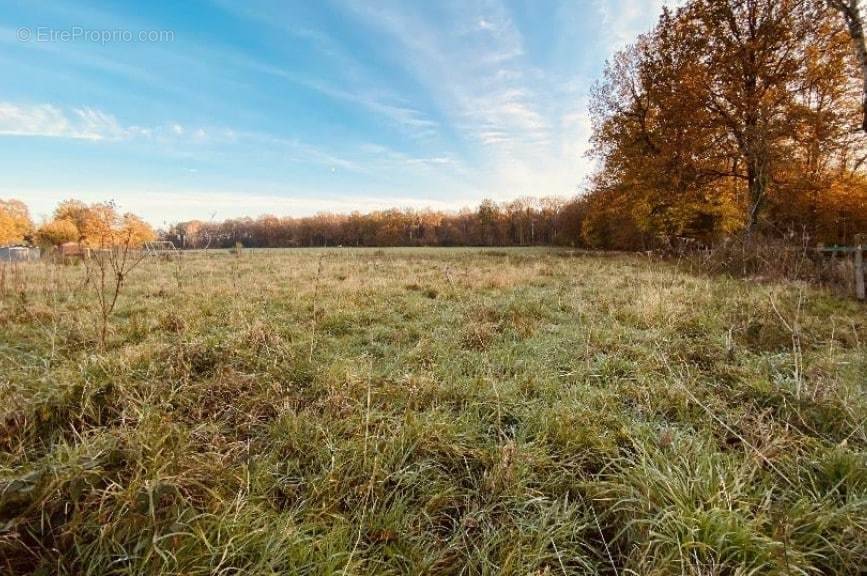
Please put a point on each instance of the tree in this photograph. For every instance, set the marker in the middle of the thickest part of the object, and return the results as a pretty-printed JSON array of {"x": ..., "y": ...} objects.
[
  {"x": 727, "y": 106},
  {"x": 751, "y": 53},
  {"x": 850, "y": 10},
  {"x": 15, "y": 223},
  {"x": 488, "y": 218},
  {"x": 101, "y": 225},
  {"x": 57, "y": 232},
  {"x": 134, "y": 231},
  {"x": 660, "y": 148},
  {"x": 98, "y": 225},
  {"x": 95, "y": 223},
  {"x": 74, "y": 211}
]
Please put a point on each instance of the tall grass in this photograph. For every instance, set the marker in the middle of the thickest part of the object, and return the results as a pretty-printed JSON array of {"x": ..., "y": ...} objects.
[{"x": 452, "y": 412}]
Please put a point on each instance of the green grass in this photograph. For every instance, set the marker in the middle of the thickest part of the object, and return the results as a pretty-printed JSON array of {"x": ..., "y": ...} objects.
[{"x": 521, "y": 411}]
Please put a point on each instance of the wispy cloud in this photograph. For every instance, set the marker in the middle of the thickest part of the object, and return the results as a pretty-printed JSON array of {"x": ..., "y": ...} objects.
[
  {"x": 401, "y": 115},
  {"x": 387, "y": 158},
  {"x": 475, "y": 67},
  {"x": 624, "y": 20},
  {"x": 52, "y": 122},
  {"x": 87, "y": 123},
  {"x": 295, "y": 151},
  {"x": 357, "y": 88},
  {"x": 470, "y": 65}
]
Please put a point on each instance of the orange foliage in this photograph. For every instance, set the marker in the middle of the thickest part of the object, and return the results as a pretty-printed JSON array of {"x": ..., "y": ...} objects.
[
  {"x": 99, "y": 225},
  {"x": 57, "y": 232},
  {"x": 15, "y": 223},
  {"x": 729, "y": 116}
]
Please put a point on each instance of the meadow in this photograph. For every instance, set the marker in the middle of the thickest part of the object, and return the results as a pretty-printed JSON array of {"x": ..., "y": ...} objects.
[{"x": 430, "y": 411}]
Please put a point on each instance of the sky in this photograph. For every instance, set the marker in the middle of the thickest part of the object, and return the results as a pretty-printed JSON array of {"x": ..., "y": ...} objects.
[{"x": 214, "y": 109}]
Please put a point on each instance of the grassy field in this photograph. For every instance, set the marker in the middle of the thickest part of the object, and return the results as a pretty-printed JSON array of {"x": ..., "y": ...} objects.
[{"x": 416, "y": 411}]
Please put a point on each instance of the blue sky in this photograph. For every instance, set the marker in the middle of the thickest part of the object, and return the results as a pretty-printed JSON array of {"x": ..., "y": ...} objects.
[{"x": 221, "y": 108}]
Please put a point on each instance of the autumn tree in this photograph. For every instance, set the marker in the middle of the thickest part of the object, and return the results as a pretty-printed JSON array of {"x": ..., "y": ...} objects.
[
  {"x": 97, "y": 225},
  {"x": 74, "y": 211},
  {"x": 133, "y": 230},
  {"x": 15, "y": 223},
  {"x": 663, "y": 155},
  {"x": 489, "y": 218},
  {"x": 56, "y": 232},
  {"x": 719, "y": 111},
  {"x": 101, "y": 225},
  {"x": 851, "y": 11},
  {"x": 528, "y": 220},
  {"x": 752, "y": 52}
]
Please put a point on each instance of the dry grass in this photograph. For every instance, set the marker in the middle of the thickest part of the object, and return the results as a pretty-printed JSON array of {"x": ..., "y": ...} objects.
[
  {"x": 764, "y": 259},
  {"x": 444, "y": 411}
]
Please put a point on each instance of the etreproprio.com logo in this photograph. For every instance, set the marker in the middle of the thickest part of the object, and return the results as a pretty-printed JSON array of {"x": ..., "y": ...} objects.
[{"x": 92, "y": 35}]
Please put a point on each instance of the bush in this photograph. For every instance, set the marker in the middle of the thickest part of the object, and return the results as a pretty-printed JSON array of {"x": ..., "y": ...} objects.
[{"x": 771, "y": 259}]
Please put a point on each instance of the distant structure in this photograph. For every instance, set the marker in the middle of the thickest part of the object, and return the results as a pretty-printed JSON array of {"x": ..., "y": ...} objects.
[
  {"x": 18, "y": 254},
  {"x": 71, "y": 250},
  {"x": 161, "y": 248}
]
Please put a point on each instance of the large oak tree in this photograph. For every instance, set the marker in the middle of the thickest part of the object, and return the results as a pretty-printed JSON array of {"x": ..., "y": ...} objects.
[{"x": 725, "y": 106}]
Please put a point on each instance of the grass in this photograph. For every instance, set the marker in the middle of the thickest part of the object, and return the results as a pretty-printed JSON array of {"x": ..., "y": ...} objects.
[{"x": 441, "y": 411}]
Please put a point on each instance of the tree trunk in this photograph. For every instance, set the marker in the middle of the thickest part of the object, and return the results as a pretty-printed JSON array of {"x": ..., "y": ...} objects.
[
  {"x": 851, "y": 12},
  {"x": 757, "y": 179}
]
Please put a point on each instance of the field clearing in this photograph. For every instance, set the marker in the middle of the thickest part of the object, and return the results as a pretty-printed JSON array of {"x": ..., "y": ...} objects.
[{"x": 430, "y": 411}]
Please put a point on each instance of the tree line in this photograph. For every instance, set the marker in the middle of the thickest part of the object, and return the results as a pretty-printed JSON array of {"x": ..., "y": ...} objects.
[{"x": 523, "y": 222}]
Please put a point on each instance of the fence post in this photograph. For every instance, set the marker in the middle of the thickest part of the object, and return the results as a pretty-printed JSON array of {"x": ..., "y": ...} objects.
[{"x": 859, "y": 267}]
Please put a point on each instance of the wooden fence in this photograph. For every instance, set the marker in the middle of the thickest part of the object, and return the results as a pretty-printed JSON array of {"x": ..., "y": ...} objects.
[{"x": 858, "y": 251}]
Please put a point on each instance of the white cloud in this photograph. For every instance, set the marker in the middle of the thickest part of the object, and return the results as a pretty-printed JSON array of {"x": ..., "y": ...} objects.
[
  {"x": 524, "y": 130},
  {"x": 625, "y": 20},
  {"x": 176, "y": 140},
  {"x": 360, "y": 88},
  {"x": 86, "y": 123},
  {"x": 94, "y": 124},
  {"x": 467, "y": 64},
  {"x": 506, "y": 111},
  {"x": 401, "y": 115},
  {"x": 52, "y": 122},
  {"x": 384, "y": 158}
]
